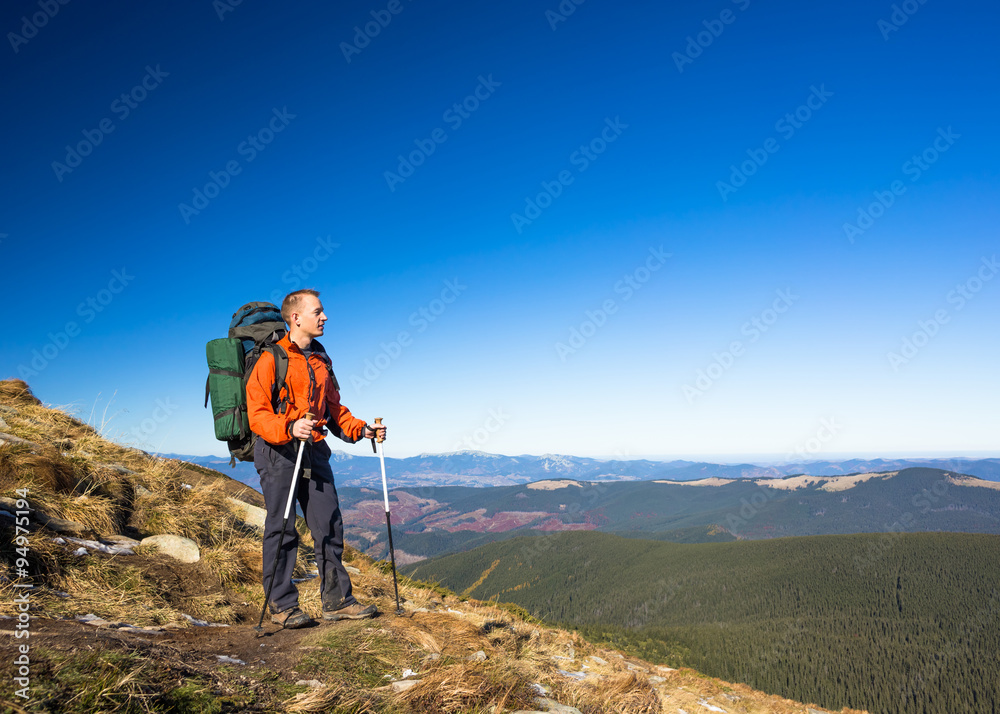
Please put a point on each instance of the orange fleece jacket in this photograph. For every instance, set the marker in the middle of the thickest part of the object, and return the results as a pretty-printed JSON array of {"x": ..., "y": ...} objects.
[{"x": 308, "y": 387}]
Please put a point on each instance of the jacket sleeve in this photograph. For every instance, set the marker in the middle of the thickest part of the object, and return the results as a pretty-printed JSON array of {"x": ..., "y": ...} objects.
[
  {"x": 351, "y": 428},
  {"x": 271, "y": 427}
]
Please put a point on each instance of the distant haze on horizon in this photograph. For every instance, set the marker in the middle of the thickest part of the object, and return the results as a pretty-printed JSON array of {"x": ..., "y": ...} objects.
[{"x": 720, "y": 227}]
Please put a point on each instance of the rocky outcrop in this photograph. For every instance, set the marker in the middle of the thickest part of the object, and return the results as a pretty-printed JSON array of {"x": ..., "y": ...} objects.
[{"x": 178, "y": 547}]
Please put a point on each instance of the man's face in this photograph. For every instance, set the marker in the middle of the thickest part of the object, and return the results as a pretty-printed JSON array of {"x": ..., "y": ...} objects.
[{"x": 310, "y": 318}]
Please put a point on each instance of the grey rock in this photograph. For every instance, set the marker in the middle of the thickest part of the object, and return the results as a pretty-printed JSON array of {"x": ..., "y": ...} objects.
[
  {"x": 657, "y": 679},
  {"x": 3, "y": 424},
  {"x": 479, "y": 656},
  {"x": 11, "y": 439},
  {"x": 121, "y": 540},
  {"x": 142, "y": 630},
  {"x": 597, "y": 660},
  {"x": 554, "y": 707},
  {"x": 60, "y": 525},
  {"x": 251, "y": 515},
  {"x": 352, "y": 570},
  {"x": 314, "y": 683},
  {"x": 178, "y": 547},
  {"x": 118, "y": 468},
  {"x": 404, "y": 685}
]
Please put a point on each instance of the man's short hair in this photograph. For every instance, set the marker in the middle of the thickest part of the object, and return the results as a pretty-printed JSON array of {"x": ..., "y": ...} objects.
[{"x": 293, "y": 303}]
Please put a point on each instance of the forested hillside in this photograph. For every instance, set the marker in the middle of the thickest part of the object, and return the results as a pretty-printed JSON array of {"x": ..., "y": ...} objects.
[{"x": 891, "y": 622}]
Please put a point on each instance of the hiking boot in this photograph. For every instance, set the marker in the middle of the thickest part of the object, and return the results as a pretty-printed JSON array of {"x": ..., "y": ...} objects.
[
  {"x": 292, "y": 619},
  {"x": 357, "y": 611}
]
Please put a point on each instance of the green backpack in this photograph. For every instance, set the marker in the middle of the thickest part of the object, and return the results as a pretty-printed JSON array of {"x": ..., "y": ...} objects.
[{"x": 255, "y": 328}]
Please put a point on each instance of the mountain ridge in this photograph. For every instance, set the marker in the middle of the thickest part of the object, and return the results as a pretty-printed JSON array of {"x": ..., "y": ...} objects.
[{"x": 482, "y": 469}]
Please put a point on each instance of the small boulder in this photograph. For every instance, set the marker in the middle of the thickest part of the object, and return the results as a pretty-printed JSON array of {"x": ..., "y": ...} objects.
[
  {"x": 251, "y": 515},
  {"x": 554, "y": 707},
  {"x": 179, "y": 547},
  {"x": 61, "y": 525}
]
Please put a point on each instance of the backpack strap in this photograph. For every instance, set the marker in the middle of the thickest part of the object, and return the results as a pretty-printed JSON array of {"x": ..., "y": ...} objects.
[{"x": 280, "y": 374}]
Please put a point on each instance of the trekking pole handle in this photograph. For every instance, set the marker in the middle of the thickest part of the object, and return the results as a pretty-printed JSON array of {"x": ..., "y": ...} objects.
[
  {"x": 310, "y": 416},
  {"x": 378, "y": 425}
]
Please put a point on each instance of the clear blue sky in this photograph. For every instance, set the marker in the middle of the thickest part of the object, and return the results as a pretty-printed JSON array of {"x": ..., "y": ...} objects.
[{"x": 635, "y": 214}]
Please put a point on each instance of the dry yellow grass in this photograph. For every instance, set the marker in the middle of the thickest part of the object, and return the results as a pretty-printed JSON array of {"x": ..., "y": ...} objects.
[
  {"x": 16, "y": 392},
  {"x": 337, "y": 697},
  {"x": 493, "y": 685}
]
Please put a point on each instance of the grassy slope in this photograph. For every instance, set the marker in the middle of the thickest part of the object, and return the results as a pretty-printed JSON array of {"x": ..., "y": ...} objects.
[{"x": 74, "y": 474}]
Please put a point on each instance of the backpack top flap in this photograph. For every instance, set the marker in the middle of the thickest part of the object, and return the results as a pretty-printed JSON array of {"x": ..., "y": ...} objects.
[{"x": 255, "y": 322}]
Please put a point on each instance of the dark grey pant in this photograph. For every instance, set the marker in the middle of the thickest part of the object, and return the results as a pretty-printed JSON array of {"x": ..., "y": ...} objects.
[{"x": 317, "y": 498}]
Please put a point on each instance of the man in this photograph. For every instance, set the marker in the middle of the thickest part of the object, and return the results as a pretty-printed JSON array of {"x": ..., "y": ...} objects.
[{"x": 309, "y": 389}]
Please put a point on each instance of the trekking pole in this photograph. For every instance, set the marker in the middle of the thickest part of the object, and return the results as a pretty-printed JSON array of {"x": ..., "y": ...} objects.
[
  {"x": 281, "y": 539},
  {"x": 388, "y": 520}
]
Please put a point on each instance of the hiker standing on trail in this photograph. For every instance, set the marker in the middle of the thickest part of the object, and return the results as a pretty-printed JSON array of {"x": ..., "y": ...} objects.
[{"x": 309, "y": 388}]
